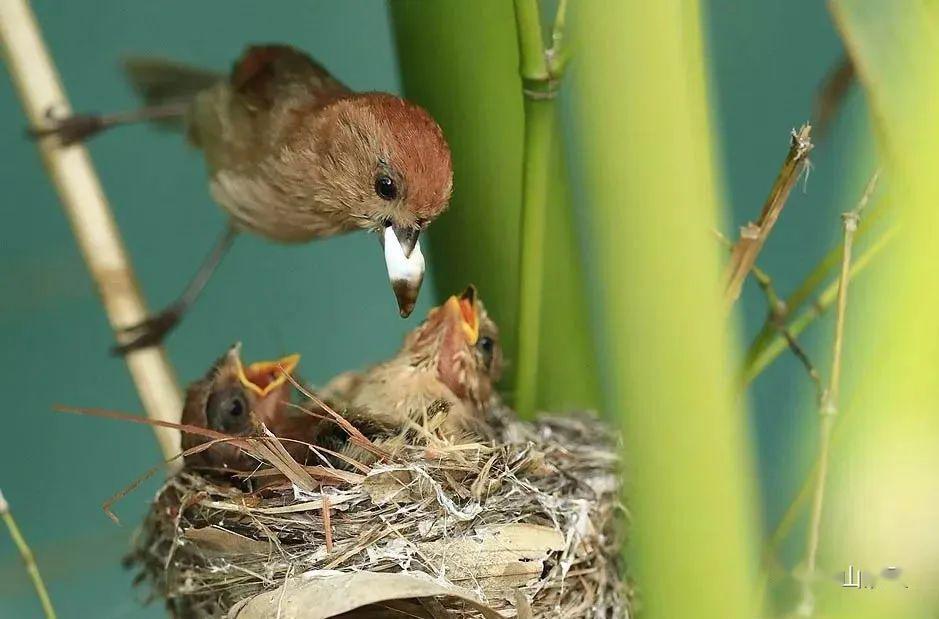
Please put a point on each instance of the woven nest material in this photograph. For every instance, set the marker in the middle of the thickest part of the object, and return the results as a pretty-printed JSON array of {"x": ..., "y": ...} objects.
[{"x": 530, "y": 524}]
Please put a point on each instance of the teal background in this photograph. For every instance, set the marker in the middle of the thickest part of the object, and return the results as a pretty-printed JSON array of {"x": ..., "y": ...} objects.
[{"x": 330, "y": 300}]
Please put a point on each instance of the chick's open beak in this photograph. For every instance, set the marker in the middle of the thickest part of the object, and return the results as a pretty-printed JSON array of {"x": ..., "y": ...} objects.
[
  {"x": 463, "y": 309},
  {"x": 405, "y": 264},
  {"x": 265, "y": 376}
]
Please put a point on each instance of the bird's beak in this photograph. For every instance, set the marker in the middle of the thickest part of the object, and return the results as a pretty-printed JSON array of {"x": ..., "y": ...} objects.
[
  {"x": 405, "y": 264},
  {"x": 407, "y": 238},
  {"x": 264, "y": 377},
  {"x": 463, "y": 309}
]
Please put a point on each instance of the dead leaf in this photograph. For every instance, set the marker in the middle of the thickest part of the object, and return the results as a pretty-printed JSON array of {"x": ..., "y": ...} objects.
[
  {"x": 515, "y": 550},
  {"x": 323, "y": 594},
  {"x": 224, "y": 541},
  {"x": 394, "y": 485},
  {"x": 523, "y": 606}
]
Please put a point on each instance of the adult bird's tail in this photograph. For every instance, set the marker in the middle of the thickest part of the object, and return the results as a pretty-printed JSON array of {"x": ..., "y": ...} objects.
[
  {"x": 167, "y": 88},
  {"x": 165, "y": 84}
]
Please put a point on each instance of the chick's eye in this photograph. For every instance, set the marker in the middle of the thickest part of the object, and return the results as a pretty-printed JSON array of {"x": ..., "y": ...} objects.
[
  {"x": 486, "y": 346},
  {"x": 386, "y": 188},
  {"x": 236, "y": 407},
  {"x": 227, "y": 411}
]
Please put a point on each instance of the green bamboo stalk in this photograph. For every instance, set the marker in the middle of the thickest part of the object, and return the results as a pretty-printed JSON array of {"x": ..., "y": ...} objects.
[
  {"x": 649, "y": 168},
  {"x": 461, "y": 61},
  {"x": 883, "y": 492},
  {"x": 541, "y": 132},
  {"x": 32, "y": 568}
]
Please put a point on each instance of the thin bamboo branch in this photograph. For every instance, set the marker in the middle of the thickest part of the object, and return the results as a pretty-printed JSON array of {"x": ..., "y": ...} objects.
[
  {"x": 83, "y": 200},
  {"x": 532, "y": 62},
  {"x": 761, "y": 354},
  {"x": 828, "y": 412},
  {"x": 777, "y": 314},
  {"x": 754, "y": 235},
  {"x": 815, "y": 278},
  {"x": 539, "y": 85},
  {"x": 559, "y": 54},
  {"x": 822, "y": 303},
  {"x": 28, "y": 559},
  {"x": 789, "y": 517}
]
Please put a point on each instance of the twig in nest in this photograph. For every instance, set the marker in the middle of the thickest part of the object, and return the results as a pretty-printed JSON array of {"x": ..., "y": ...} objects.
[
  {"x": 754, "y": 235},
  {"x": 355, "y": 435},
  {"x": 327, "y": 524},
  {"x": 28, "y": 559},
  {"x": 265, "y": 448}
]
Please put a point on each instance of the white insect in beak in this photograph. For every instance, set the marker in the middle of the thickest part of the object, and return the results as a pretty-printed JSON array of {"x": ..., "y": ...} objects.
[{"x": 406, "y": 273}]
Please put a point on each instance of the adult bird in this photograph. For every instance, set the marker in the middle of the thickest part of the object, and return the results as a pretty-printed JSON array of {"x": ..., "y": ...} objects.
[{"x": 293, "y": 155}]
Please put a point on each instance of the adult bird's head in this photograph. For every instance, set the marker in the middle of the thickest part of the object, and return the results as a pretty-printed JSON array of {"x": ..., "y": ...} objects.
[
  {"x": 388, "y": 165},
  {"x": 233, "y": 399},
  {"x": 462, "y": 343}
]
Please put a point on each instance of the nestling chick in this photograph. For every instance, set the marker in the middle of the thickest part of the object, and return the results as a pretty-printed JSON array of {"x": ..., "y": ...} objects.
[
  {"x": 293, "y": 155},
  {"x": 235, "y": 400},
  {"x": 452, "y": 361}
]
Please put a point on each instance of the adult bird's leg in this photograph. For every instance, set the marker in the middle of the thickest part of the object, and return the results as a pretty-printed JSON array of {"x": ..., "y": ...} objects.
[
  {"x": 79, "y": 127},
  {"x": 152, "y": 330}
]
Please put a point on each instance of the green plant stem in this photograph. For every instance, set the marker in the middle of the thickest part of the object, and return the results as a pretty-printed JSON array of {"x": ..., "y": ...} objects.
[
  {"x": 559, "y": 54},
  {"x": 460, "y": 60},
  {"x": 822, "y": 304},
  {"x": 665, "y": 351},
  {"x": 28, "y": 560},
  {"x": 541, "y": 130},
  {"x": 531, "y": 51}
]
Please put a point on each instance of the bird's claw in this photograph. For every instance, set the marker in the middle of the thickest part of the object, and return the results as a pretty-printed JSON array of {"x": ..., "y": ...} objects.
[
  {"x": 149, "y": 332},
  {"x": 70, "y": 129}
]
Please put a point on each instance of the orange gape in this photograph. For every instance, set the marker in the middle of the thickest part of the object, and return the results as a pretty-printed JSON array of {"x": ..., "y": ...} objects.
[{"x": 264, "y": 376}]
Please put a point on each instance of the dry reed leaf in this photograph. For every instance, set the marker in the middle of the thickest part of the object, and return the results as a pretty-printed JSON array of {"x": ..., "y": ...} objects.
[
  {"x": 324, "y": 594},
  {"x": 306, "y": 506},
  {"x": 523, "y": 606},
  {"x": 510, "y": 550},
  {"x": 390, "y": 486},
  {"x": 225, "y": 542}
]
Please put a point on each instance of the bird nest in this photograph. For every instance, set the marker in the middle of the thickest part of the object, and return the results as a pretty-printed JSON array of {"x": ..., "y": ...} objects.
[{"x": 529, "y": 524}]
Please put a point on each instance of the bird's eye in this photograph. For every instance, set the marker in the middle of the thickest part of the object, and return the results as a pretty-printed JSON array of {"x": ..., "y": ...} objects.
[
  {"x": 486, "y": 346},
  {"x": 386, "y": 188},
  {"x": 236, "y": 408},
  {"x": 227, "y": 411}
]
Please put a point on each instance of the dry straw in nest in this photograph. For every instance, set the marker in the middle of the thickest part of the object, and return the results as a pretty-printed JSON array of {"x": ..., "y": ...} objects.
[{"x": 529, "y": 524}]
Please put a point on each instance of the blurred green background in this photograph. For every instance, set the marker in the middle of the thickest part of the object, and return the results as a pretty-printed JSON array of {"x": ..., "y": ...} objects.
[{"x": 330, "y": 300}]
